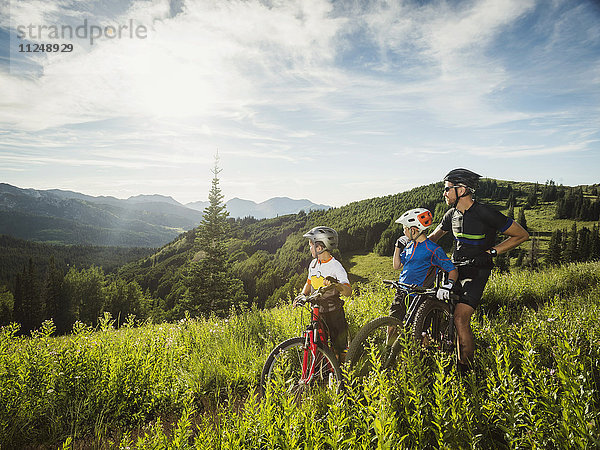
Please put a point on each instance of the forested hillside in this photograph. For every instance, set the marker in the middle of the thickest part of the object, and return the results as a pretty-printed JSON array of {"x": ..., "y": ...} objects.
[
  {"x": 16, "y": 253},
  {"x": 270, "y": 256},
  {"x": 263, "y": 262}
]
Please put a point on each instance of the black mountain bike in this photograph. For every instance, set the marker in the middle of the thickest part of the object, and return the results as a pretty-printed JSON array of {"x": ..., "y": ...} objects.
[{"x": 428, "y": 320}]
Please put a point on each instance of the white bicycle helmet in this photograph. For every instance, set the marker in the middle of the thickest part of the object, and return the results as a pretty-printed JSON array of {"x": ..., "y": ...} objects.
[
  {"x": 418, "y": 217},
  {"x": 327, "y": 236}
]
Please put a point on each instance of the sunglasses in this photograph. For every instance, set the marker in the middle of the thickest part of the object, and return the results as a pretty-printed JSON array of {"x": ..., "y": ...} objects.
[{"x": 447, "y": 188}]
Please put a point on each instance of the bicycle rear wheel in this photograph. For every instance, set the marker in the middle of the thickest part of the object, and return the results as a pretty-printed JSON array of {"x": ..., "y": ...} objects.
[
  {"x": 286, "y": 363},
  {"x": 432, "y": 326},
  {"x": 377, "y": 339}
]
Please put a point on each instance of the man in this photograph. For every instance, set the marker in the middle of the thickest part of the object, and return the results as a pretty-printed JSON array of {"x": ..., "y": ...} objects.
[{"x": 474, "y": 227}]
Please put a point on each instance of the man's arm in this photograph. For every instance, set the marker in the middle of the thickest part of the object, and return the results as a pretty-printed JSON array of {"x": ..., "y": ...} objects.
[
  {"x": 437, "y": 234},
  {"x": 516, "y": 236}
]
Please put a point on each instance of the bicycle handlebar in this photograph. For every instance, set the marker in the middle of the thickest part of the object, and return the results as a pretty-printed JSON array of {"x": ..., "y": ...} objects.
[
  {"x": 411, "y": 287},
  {"x": 466, "y": 262},
  {"x": 315, "y": 296}
]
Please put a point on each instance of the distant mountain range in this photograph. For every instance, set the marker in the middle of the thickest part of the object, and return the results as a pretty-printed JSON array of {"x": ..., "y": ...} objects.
[
  {"x": 69, "y": 217},
  {"x": 277, "y": 206}
]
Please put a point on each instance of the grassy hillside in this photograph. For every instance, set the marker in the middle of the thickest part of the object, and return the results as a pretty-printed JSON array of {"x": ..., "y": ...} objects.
[{"x": 537, "y": 383}]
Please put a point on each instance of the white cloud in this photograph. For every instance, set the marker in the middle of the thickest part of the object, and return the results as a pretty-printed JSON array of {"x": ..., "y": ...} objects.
[
  {"x": 270, "y": 84},
  {"x": 514, "y": 151}
]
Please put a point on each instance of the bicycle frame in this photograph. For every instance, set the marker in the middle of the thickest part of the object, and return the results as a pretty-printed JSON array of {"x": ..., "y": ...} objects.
[
  {"x": 313, "y": 335},
  {"x": 419, "y": 295}
]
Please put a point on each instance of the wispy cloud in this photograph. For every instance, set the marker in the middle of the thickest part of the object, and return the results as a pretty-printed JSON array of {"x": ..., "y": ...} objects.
[{"x": 271, "y": 84}]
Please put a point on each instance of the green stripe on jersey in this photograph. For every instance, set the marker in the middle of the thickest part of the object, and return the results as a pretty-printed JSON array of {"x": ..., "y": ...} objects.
[{"x": 470, "y": 236}]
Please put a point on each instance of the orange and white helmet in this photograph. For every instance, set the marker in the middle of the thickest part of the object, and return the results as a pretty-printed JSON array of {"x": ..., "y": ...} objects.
[{"x": 418, "y": 217}]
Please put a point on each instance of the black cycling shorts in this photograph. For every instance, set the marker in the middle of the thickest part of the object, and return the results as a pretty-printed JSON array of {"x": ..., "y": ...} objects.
[
  {"x": 472, "y": 281},
  {"x": 338, "y": 328}
]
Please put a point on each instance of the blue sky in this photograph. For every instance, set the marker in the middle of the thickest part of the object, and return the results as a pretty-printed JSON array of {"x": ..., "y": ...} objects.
[{"x": 330, "y": 101}]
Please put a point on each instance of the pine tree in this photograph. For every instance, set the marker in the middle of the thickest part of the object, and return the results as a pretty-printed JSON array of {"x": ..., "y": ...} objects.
[
  {"x": 6, "y": 306},
  {"x": 520, "y": 257},
  {"x": 522, "y": 220},
  {"x": 211, "y": 288},
  {"x": 531, "y": 198},
  {"x": 570, "y": 253},
  {"x": 549, "y": 191},
  {"x": 18, "y": 299},
  {"x": 511, "y": 212},
  {"x": 584, "y": 244},
  {"x": 59, "y": 307},
  {"x": 595, "y": 243},
  {"x": 534, "y": 252},
  {"x": 511, "y": 201},
  {"x": 32, "y": 305},
  {"x": 561, "y": 209},
  {"x": 555, "y": 248}
]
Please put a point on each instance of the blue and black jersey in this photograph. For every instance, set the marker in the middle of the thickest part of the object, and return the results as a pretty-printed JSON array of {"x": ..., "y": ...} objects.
[
  {"x": 421, "y": 261},
  {"x": 475, "y": 229}
]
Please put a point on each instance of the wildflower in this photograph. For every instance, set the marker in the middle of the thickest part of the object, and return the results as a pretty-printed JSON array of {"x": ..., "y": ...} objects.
[
  {"x": 50, "y": 391},
  {"x": 551, "y": 319}
]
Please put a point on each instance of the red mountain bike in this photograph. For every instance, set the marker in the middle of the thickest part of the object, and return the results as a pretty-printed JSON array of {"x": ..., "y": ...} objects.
[{"x": 306, "y": 362}]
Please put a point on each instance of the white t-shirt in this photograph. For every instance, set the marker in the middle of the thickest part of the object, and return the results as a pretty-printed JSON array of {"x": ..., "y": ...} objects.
[{"x": 318, "y": 271}]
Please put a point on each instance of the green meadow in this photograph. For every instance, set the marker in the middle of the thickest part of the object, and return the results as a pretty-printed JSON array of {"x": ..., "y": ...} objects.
[{"x": 193, "y": 383}]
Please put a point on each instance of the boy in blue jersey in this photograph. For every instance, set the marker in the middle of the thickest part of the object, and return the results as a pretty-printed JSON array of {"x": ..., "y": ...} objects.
[{"x": 419, "y": 258}]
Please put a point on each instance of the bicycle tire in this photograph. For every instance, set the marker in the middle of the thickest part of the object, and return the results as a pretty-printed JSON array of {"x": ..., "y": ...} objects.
[
  {"x": 431, "y": 326},
  {"x": 373, "y": 337},
  {"x": 285, "y": 361}
]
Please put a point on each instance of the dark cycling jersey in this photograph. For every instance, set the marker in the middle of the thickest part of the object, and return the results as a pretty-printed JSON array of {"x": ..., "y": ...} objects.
[{"x": 475, "y": 229}]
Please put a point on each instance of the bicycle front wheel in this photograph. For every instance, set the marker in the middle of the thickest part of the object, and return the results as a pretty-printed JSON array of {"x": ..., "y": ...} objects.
[
  {"x": 299, "y": 370},
  {"x": 432, "y": 326},
  {"x": 376, "y": 342}
]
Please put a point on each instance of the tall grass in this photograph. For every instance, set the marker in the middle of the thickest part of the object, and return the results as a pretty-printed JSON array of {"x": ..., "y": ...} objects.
[
  {"x": 532, "y": 288},
  {"x": 518, "y": 397},
  {"x": 536, "y": 383}
]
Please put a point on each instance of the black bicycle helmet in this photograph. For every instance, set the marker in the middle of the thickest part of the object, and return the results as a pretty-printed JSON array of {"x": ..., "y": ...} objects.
[{"x": 463, "y": 176}]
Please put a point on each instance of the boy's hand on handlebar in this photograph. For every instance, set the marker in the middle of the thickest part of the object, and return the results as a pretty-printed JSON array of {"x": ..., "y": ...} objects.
[
  {"x": 300, "y": 300},
  {"x": 330, "y": 281}
]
